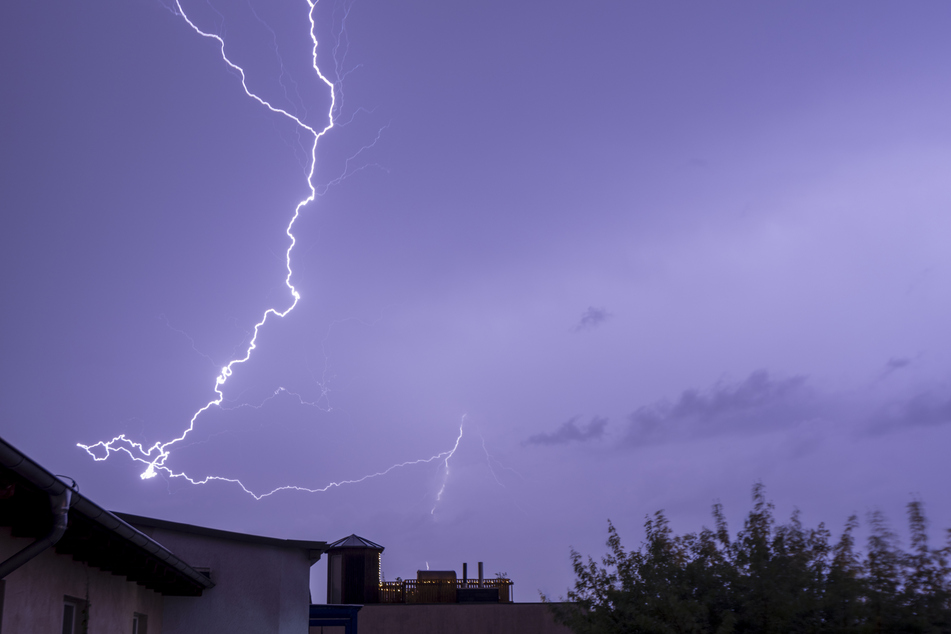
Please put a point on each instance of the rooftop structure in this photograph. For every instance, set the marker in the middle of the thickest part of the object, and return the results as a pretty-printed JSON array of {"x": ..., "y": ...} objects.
[
  {"x": 353, "y": 571},
  {"x": 354, "y": 577}
]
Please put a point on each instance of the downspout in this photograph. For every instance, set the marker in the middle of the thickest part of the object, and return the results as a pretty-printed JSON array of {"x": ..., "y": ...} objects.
[{"x": 59, "y": 502}]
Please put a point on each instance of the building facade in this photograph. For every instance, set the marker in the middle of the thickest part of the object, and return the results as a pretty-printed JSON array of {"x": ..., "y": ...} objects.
[
  {"x": 67, "y": 565},
  {"x": 262, "y": 584}
]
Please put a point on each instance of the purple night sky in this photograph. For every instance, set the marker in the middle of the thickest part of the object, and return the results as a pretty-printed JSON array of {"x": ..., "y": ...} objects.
[{"x": 649, "y": 252}]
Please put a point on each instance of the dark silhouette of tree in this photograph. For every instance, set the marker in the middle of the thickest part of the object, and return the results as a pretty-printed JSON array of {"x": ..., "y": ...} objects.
[
  {"x": 883, "y": 575},
  {"x": 925, "y": 593},
  {"x": 842, "y": 607},
  {"x": 769, "y": 579}
]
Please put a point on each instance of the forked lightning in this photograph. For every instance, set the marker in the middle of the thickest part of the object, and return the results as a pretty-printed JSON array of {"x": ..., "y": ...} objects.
[{"x": 155, "y": 456}]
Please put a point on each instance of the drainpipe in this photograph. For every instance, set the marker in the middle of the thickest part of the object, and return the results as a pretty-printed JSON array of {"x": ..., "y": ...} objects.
[{"x": 59, "y": 502}]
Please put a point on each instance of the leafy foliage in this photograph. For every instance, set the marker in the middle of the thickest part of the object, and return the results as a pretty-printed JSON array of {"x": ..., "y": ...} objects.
[{"x": 769, "y": 579}]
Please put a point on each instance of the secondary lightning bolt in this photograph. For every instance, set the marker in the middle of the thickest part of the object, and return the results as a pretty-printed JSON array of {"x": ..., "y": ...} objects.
[
  {"x": 259, "y": 496},
  {"x": 445, "y": 477},
  {"x": 155, "y": 456}
]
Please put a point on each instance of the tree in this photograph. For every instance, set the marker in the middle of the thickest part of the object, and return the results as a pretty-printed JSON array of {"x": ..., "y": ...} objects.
[
  {"x": 769, "y": 579},
  {"x": 842, "y": 608}
]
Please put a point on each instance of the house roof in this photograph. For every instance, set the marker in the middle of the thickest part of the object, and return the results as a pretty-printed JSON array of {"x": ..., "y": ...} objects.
[
  {"x": 354, "y": 541},
  {"x": 94, "y": 536},
  {"x": 314, "y": 548}
]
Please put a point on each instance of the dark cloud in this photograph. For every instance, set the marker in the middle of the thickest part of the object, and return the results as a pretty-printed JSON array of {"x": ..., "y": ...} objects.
[
  {"x": 592, "y": 318},
  {"x": 897, "y": 363},
  {"x": 922, "y": 410},
  {"x": 571, "y": 432},
  {"x": 758, "y": 402},
  {"x": 894, "y": 364}
]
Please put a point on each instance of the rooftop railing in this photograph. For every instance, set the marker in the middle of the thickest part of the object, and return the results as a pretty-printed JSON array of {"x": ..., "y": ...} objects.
[{"x": 445, "y": 591}]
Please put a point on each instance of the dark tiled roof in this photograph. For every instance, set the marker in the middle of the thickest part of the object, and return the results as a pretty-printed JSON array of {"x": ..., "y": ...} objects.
[{"x": 354, "y": 541}]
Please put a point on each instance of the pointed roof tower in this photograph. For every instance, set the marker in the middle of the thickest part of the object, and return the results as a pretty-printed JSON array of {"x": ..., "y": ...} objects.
[
  {"x": 354, "y": 541},
  {"x": 353, "y": 571}
]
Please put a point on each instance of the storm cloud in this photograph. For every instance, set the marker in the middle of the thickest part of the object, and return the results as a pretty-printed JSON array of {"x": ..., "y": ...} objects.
[
  {"x": 897, "y": 363},
  {"x": 571, "y": 432},
  {"x": 925, "y": 409},
  {"x": 760, "y": 401},
  {"x": 475, "y": 276}
]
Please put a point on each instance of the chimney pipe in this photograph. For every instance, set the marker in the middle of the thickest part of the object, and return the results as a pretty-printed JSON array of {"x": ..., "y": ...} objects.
[
  {"x": 480, "y": 574},
  {"x": 465, "y": 572}
]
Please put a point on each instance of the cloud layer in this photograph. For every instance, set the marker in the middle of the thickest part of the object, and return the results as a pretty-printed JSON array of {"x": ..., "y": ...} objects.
[
  {"x": 570, "y": 432},
  {"x": 757, "y": 403}
]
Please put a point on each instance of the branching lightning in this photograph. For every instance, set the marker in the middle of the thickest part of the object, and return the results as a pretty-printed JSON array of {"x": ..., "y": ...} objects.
[
  {"x": 445, "y": 477},
  {"x": 156, "y": 455},
  {"x": 489, "y": 459},
  {"x": 259, "y": 496}
]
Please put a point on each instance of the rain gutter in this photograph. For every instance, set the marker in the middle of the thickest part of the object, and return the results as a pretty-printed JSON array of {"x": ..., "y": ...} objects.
[{"x": 23, "y": 466}]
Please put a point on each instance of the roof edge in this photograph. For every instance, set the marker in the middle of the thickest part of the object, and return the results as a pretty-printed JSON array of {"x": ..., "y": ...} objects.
[
  {"x": 361, "y": 542},
  {"x": 18, "y": 462},
  {"x": 223, "y": 534}
]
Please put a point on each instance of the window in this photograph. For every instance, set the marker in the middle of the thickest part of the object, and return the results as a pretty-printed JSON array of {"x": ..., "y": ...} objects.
[
  {"x": 69, "y": 618},
  {"x": 75, "y": 616},
  {"x": 139, "y": 623}
]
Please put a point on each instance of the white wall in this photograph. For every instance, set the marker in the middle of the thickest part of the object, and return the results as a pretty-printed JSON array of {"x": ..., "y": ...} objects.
[
  {"x": 33, "y": 597},
  {"x": 258, "y": 588}
]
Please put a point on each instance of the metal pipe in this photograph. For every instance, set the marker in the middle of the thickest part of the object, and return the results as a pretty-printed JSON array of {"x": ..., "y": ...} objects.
[
  {"x": 59, "y": 502},
  {"x": 17, "y": 462},
  {"x": 480, "y": 574},
  {"x": 465, "y": 572}
]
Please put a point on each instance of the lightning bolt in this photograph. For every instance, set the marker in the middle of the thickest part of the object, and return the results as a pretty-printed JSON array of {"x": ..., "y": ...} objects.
[
  {"x": 155, "y": 456},
  {"x": 489, "y": 459},
  {"x": 445, "y": 477}
]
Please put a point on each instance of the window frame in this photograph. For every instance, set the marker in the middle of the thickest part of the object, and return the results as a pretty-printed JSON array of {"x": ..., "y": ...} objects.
[
  {"x": 140, "y": 623},
  {"x": 80, "y": 615}
]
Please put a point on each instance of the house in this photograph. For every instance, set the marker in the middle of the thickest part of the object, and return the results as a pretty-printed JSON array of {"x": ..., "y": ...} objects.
[
  {"x": 69, "y": 565},
  {"x": 262, "y": 584}
]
